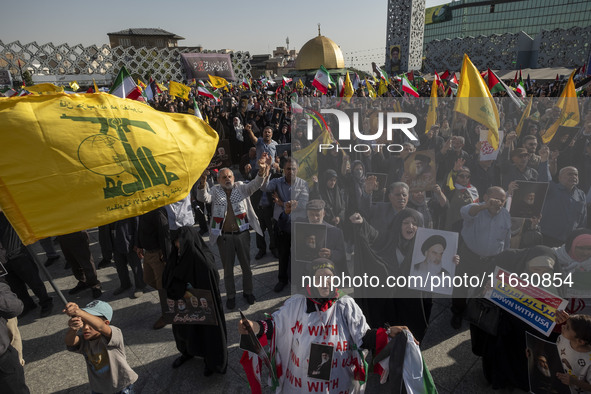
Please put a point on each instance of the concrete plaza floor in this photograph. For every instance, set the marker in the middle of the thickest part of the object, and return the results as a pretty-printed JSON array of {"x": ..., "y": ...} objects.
[{"x": 50, "y": 368}]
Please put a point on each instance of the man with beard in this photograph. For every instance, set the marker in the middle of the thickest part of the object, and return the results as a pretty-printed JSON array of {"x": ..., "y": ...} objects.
[
  {"x": 232, "y": 216},
  {"x": 540, "y": 376},
  {"x": 432, "y": 249}
]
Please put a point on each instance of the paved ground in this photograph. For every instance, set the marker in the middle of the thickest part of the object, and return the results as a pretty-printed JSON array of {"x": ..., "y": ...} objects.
[{"x": 50, "y": 368}]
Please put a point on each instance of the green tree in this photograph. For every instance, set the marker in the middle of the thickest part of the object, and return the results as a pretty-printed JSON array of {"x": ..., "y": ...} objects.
[{"x": 27, "y": 79}]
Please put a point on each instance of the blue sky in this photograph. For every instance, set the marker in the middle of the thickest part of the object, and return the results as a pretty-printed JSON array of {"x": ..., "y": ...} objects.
[{"x": 358, "y": 27}]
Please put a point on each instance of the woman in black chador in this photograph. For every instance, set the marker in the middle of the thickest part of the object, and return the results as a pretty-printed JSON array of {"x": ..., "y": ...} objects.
[{"x": 191, "y": 266}]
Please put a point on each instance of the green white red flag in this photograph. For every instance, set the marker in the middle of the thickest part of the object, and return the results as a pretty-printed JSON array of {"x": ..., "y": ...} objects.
[
  {"x": 322, "y": 80},
  {"x": 407, "y": 87},
  {"x": 125, "y": 87}
]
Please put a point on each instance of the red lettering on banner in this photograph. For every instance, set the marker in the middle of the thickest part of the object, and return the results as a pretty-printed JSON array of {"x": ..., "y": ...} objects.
[
  {"x": 347, "y": 362},
  {"x": 342, "y": 346},
  {"x": 313, "y": 386},
  {"x": 335, "y": 384},
  {"x": 335, "y": 331},
  {"x": 335, "y": 363},
  {"x": 315, "y": 330},
  {"x": 294, "y": 358},
  {"x": 297, "y": 326}
]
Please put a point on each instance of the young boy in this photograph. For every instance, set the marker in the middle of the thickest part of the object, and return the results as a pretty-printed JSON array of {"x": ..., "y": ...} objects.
[
  {"x": 102, "y": 347},
  {"x": 574, "y": 347}
]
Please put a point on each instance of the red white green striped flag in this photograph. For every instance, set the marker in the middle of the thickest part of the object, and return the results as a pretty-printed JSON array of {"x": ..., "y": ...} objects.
[
  {"x": 286, "y": 81},
  {"x": 8, "y": 92},
  {"x": 124, "y": 86},
  {"x": 383, "y": 74},
  {"x": 520, "y": 89},
  {"x": 322, "y": 80},
  {"x": 245, "y": 83},
  {"x": 196, "y": 110},
  {"x": 203, "y": 91},
  {"x": 407, "y": 87}
]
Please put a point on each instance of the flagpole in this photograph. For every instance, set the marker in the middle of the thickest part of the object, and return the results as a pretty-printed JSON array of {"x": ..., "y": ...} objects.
[
  {"x": 47, "y": 275},
  {"x": 21, "y": 71}
]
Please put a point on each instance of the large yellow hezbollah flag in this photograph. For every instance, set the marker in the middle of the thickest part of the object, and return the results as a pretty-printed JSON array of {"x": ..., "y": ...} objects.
[
  {"x": 475, "y": 101},
  {"x": 71, "y": 162}
]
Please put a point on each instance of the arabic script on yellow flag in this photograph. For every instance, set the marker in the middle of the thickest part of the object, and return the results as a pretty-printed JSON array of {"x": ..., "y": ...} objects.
[
  {"x": 179, "y": 90},
  {"x": 475, "y": 101},
  {"x": 72, "y": 162}
]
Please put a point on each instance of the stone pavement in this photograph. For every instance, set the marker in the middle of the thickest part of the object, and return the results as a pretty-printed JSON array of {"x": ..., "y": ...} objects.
[{"x": 50, "y": 368}]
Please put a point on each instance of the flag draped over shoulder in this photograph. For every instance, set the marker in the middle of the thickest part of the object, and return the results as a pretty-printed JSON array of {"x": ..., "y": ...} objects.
[
  {"x": 475, "y": 101},
  {"x": 308, "y": 157},
  {"x": 72, "y": 162},
  {"x": 569, "y": 110},
  {"x": 432, "y": 114},
  {"x": 178, "y": 90}
]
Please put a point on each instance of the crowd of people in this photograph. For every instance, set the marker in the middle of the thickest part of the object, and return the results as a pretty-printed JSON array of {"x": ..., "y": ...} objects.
[{"x": 371, "y": 225}]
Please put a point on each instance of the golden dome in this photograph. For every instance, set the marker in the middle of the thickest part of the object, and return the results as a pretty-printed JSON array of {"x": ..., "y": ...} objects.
[{"x": 320, "y": 51}]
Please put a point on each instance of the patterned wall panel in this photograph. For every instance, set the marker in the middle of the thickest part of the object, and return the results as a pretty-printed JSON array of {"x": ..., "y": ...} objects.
[
  {"x": 564, "y": 48},
  {"x": 405, "y": 27},
  {"x": 495, "y": 52},
  {"x": 162, "y": 63}
]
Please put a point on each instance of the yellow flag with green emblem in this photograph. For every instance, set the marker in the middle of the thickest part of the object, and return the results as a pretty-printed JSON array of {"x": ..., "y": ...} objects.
[
  {"x": 569, "y": 110},
  {"x": 475, "y": 101},
  {"x": 217, "y": 82},
  {"x": 179, "y": 90},
  {"x": 72, "y": 162}
]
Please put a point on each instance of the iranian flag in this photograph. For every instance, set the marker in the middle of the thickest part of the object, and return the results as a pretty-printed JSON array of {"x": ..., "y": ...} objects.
[
  {"x": 438, "y": 80},
  {"x": 8, "y": 92},
  {"x": 322, "y": 80},
  {"x": 383, "y": 75},
  {"x": 286, "y": 81},
  {"x": 196, "y": 111},
  {"x": 203, "y": 91},
  {"x": 520, "y": 89},
  {"x": 408, "y": 88},
  {"x": 125, "y": 87},
  {"x": 494, "y": 85}
]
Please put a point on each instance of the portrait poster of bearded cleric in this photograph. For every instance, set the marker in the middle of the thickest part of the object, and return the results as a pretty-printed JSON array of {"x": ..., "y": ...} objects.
[
  {"x": 528, "y": 199},
  {"x": 433, "y": 259},
  {"x": 419, "y": 170},
  {"x": 544, "y": 361}
]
